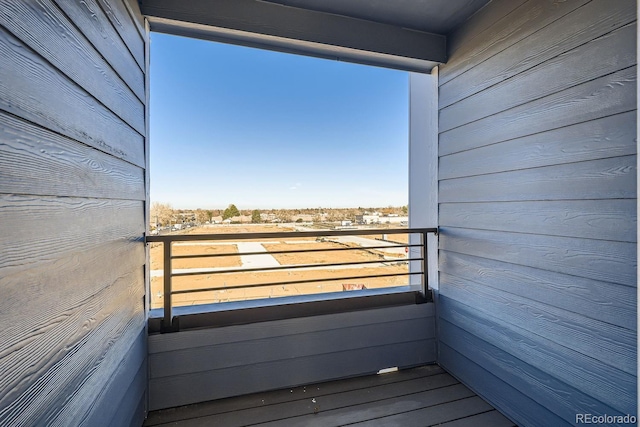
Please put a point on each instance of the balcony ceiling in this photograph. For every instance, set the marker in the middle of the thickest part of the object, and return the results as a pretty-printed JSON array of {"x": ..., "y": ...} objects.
[
  {"x": 432, "y": 16},
  {"x": 403, "y": 34}
]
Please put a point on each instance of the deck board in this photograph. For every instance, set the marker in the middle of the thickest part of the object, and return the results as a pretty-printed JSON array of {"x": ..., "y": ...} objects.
[{"x": 421, "y": 396}]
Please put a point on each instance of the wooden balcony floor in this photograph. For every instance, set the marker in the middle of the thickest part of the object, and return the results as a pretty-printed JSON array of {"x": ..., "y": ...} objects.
[{"x": 422, "y": 396}]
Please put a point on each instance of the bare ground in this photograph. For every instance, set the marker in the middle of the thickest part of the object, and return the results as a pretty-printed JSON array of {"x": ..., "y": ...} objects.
[{"x": 227, "y": 280}]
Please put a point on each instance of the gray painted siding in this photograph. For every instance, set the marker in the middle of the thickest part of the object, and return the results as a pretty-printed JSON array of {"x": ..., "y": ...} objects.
[
  {"x": 200, "y": 365},
  {"x": 73, "y": 346},
  {"x": 537, "y": 307}
]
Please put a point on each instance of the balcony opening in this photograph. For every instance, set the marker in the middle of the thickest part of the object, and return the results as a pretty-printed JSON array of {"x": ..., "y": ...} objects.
[{"x": 246, "y": 140}]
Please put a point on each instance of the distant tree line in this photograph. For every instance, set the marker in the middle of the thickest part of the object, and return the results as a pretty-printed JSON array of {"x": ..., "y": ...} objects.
[{"x": 163, "y": 214}]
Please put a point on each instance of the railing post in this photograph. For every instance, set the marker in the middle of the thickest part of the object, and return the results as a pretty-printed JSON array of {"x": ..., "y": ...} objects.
[
  {"x": 168, "y": 316},
  {"x": 425, "y": 264}
]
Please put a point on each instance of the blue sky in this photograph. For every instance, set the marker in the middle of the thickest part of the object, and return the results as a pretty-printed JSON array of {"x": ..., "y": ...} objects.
[{"x": 263, "y": 129}]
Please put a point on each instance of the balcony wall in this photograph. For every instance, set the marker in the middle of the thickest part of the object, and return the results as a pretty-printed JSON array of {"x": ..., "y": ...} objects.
[
  {"x": 212, "y": 363},
  {"x": 537, "y": 208},
  {"x": 72, "y": 190}
]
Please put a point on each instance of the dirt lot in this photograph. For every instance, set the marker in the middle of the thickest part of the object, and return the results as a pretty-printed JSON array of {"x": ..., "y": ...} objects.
[
  {"x": 226, "y": 280},
  {"x": 208, "y": 247},
  {"x": 398, "y": 238},
  {"x": 209, "y": 280},
  {"x": 319, "y": 257},
  {"x": 196, "y": 248}
]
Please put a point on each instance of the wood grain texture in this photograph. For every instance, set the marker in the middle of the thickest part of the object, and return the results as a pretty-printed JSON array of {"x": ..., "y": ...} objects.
[
  {"x": 68, "y": 321},
  {"x": 498, "y": 27},
  {"x": 482, "y": 21},
  {"x": 601, "y": 260},
  {"x": 72, "y": 281},
  {"x": 607, "y": 95},
  {"x": 114, "y": 343},
  {"x": 504, "y": 397},
  {"x": 118, "y": 400},
  {"x": 60, "y": 105},
  {"x": 593, "y": 20},
  {"x": 604, "y": 219},
  {"x": 537, "y": 191},
  {"x": 38, "y": 230},
  {"x": 554, "y": 395},
  {"x": 610, "y": 136},
  {"x": 611, "y": 345},
  {"x": 59, "y": 41},
  {"x": 611, "y": 178},
  {"x": 37, "y": 161},
  {"x": 604, "y": 383},
  {"x": 75, "y": 285},
  {"x": 616, "y": 50},
  {"x": 126, "y": 26},
  {"x": 192, "y": 366},
  {"x": 97, "y": 28},
  {"x": 69, "y": 350},
  {"x": 598, "y": 300}
]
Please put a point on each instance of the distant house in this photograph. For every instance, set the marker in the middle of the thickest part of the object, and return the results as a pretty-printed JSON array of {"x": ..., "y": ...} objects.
[
  {"x": 268, "y": 217},
  {"x": 376, "y": 218},
  {"x": 395, "y": 219},
  {"x": 368, "y": 219}
]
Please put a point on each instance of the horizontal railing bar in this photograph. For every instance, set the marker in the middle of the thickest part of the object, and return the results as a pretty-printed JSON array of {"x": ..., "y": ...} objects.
[
  {"x": 354, "y": 248},
  {"x": 292, "y": 267},
  {"x": 289, "y": 234},
  {"x": 292, "y": 282},
  {"x": 319, "y": 235}
]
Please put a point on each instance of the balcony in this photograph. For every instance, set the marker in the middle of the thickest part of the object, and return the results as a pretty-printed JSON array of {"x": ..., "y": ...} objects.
[
  {"x": 267, "y": 361},
  {"x": 318, "y": 326},
  {"x": 523, "y": 152}
]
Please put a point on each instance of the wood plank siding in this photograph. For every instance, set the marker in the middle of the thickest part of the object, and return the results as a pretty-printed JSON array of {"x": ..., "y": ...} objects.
[
  {"x": 537, "y": 208},
  {"x": 207, "y": 364},
  {"x": 73, "y": 346}
]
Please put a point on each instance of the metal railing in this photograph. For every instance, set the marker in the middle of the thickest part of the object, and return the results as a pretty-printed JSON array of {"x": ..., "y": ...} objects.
[{"x": 418, "y": 263}]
